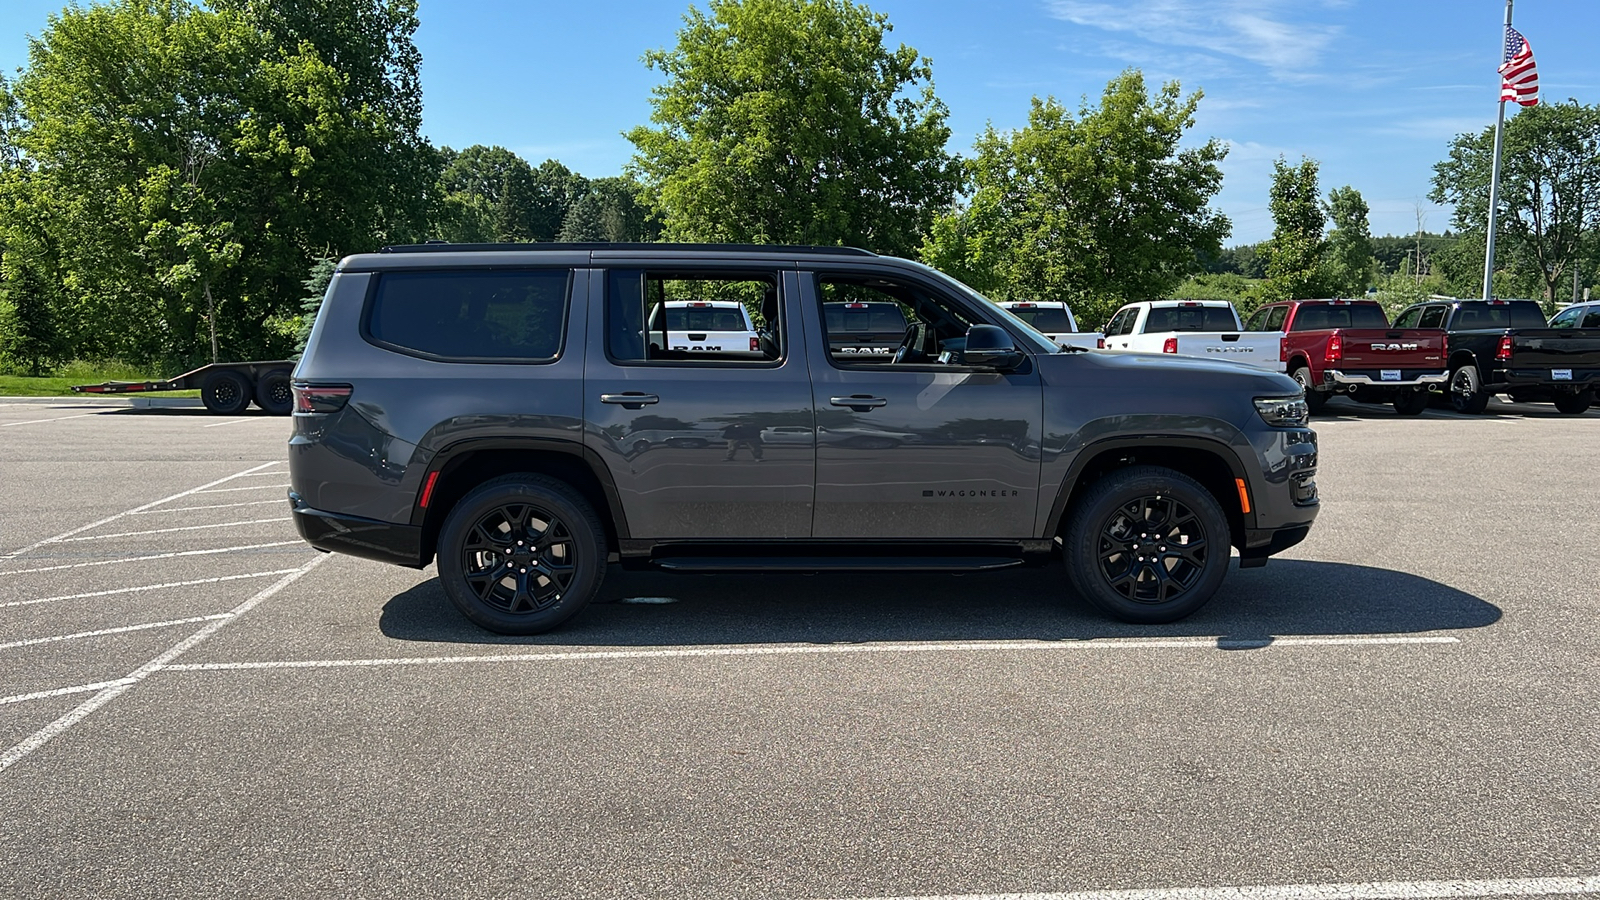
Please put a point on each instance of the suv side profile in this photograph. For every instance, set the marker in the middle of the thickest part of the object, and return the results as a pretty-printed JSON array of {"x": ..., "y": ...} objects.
[{"x": 505, "y": 409}]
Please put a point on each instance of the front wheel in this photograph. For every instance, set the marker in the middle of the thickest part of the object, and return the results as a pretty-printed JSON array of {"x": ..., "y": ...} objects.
[
  {"x": 1147, "y": 544},
  {"x": 1315, "y": 399},
  {"x": 1574, "y": 404},
  {"x": 1411, "y": 403},
  {"x": 1466, "y": 392},
  {"x": 521, "y": 554}
]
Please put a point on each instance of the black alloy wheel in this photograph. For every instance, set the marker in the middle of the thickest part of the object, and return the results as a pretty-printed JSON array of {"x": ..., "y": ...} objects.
[
  {"x": 274, "y": 394},
  {"x": 1574, "y": 404},
  {"x": 1315, "y": 399},
  {"x": 225, "y": 393},
  {"x": 1147, "y": 544},
  {"x": 1410, "y": 403},
  {"x": 1466, "y": 395},
  {"x": 521, "y": 554}
]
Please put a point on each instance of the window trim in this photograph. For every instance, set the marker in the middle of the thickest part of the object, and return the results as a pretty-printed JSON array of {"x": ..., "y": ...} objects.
[
  {"x": 724, "y": 273},
  {"x": 369, "y": 304}
]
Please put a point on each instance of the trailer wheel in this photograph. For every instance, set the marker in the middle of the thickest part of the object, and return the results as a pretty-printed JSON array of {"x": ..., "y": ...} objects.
[
  {"x": 225, "y": 393},
  {"x": 273, "y": 394}
]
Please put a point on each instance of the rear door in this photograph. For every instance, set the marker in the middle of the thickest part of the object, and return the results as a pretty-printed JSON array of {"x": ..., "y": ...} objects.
[
  {"x": 700, "y": 445},
  {"x": 922, "y": 448}
]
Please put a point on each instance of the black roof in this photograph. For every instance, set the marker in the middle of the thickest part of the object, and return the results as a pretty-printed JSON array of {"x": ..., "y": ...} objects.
[{"x": 446, "y": 247}]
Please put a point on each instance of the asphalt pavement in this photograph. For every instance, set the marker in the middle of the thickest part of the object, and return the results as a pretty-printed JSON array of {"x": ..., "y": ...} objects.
[{"x": 193, "y": 703}]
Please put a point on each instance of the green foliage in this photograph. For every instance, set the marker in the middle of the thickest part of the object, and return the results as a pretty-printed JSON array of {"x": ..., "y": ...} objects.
[
  {"x": 29, "y": 340},
  {"x": 790, "y": 121},
  {"x": 1249, "y": 260},
  {"x": 1398, "y": 291},
  {"x": 1295, "y": 268},
  {"x": 490, "y": 194},
  {"x": 1398, "y": 253},
  {"x": 612, "y": 210},
  {"x": 1097, "y": 209},
  {"x": 1350, "y": 260},
  {"x": 316, "y": 287},
  {"x": 1549, "y": 194},
  {"x": 1217, "y": 286},
  {"x": 180, "y": 207}
]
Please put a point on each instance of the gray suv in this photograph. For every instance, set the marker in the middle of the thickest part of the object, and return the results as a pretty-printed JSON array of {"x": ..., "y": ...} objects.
[{"x": 511, "y": 409}]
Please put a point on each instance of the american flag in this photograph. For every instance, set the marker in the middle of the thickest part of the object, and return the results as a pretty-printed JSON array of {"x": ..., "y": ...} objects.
[{"x": 1519, "y": 77}]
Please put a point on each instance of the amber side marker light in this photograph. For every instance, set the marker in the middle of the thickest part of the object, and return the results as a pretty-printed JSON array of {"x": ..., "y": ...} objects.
[{"x": 1244, "y": 496}]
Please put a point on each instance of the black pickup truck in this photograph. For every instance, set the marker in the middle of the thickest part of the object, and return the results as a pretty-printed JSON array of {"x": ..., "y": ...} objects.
[{"x": 1504, "y": 347}]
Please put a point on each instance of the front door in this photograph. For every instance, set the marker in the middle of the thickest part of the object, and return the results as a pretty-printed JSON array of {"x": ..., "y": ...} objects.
[
  {"x": 916, "y": 445},
  {"x": 701, "y": 445}
]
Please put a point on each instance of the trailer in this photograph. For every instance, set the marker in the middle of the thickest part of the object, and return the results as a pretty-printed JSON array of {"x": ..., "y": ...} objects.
[{"x": 225, "y": 388}]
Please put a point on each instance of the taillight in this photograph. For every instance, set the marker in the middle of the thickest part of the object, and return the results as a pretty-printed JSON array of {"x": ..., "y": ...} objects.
[
  {"x": 755, "y": 344},
  {"x": 1283, "y": 349},
  {"x": 320, "y": 398},
  {"x": 1170, "y": 345},
  {"x": 1504, "y": 353},
  {"x": 1335, "y": 351}
]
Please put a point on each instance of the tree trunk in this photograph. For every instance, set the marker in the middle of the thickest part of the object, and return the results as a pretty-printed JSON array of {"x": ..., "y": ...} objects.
[{"x": 211, "y": 318}]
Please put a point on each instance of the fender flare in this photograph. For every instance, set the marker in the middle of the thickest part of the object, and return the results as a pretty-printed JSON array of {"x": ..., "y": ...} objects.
[
  {"x": 574, "y": 449},
  {"x": 1093, "y": 450}
]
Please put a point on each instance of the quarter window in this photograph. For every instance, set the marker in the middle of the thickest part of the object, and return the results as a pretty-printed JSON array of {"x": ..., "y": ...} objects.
[{"x": 467, "y": 315}]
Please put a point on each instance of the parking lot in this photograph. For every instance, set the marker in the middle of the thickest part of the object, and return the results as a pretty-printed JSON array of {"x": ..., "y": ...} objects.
[{"x": 194, "y": 703}]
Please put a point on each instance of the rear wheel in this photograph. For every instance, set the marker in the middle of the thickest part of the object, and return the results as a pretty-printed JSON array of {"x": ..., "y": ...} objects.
[
  {"x": 1147, "y": 544},
  {"x": 1315, "y": 399},
  {"x": 1574, "y": 404},
  {"x": 225, "y": 393},
  {"x": 521, "y": 554},
  {"x": 1411, "y": 403},
  {"x": 273, "y": 393},
  {"x": 1466, "y": 391}
]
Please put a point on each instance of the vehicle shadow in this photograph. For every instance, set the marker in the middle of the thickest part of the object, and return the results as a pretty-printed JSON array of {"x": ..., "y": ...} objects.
[{"x": 1288, "y": 597}]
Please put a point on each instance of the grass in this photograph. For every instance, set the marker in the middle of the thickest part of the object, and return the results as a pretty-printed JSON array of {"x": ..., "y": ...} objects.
[{"x": 60, "y": 382}]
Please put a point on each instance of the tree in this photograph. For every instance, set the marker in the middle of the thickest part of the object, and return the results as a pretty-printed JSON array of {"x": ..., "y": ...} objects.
[
  {"x": 29, "y": 340},
  {"x": 1295, "y": 264},
  {"x": 492, "y": 194},
  {"x": 316, "y": 287},
  {"x": 610, "y": 211},
  {"x": 1097, "y": 209},
  {"x": 1549, "y": 191},
  {"x": 790, "y": 121},
  {"x": 1350, "y": 257}
]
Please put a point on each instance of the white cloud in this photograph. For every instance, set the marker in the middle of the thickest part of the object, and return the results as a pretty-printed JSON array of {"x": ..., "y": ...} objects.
[{"x": 1258, "y": 31}]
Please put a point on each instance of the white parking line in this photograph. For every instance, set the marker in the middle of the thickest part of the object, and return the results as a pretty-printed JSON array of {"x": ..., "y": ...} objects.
[
  {"x": 253, "y": 487},
  {"x": 816, "y": 649},
  {"x": 255, "y": 474},
  {"x": 105, "y": 631},
  {"x": 235, "y": 422},
  {"x": 115, "y": 689},
  {"x": 148, "y": 587},
  {"x": 98, "y": 537},
  {"x": 1361, "y": 890},
  {"x": 112, "y": 518},
  {"x": 59, "y": 692},
  {"x": 56, "y": 419},
  {"x": 134, "y": 559},
  {"x": 169, "y": 509}
]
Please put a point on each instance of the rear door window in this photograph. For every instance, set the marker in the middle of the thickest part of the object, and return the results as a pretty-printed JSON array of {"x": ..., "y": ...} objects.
[
  {"x": 1408, "y": 319},
  {"x": 471, "y": 315},
  {"x": 1432, "y": 317}
]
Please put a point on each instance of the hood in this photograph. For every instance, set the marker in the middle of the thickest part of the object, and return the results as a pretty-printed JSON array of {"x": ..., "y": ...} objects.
[{"x": 1162, "y": 373}]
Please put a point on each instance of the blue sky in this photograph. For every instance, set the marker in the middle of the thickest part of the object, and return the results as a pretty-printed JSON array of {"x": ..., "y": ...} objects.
[{"x": 1374, "y": 90}]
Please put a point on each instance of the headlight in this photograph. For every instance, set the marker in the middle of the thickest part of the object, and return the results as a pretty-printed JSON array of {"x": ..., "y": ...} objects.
[{"x": 1283, "y": 412}]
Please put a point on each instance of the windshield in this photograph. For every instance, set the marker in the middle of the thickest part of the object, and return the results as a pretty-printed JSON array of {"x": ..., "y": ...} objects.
[{"x": 1047, "y": 321}]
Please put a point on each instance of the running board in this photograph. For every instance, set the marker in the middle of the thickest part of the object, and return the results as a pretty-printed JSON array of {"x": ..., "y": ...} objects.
[{"x": 835, "y": 563}]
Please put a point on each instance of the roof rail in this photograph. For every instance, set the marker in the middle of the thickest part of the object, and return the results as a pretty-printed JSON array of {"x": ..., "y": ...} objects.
[{"x": 444, "y": 247}]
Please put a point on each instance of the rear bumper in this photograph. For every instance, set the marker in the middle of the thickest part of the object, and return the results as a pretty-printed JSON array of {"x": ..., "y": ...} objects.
[
  {"x": 366, "y": 538},
  {"x": 1545, "y": 380},
  {"x": 1364, "y": 378}
]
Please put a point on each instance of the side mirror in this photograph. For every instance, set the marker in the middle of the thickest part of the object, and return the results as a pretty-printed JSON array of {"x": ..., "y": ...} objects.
[{"x": 990, "y": 345}]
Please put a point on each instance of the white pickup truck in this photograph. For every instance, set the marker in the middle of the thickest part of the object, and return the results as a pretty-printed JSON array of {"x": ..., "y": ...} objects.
[
  {"x": 1054, "y": 320},
  {"x": 706, "y": 326},
  {"x": 1209, "y": 329}
]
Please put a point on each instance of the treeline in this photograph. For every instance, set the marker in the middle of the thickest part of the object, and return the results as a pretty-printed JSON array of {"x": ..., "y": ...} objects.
[{"x": 176, "y": 178}]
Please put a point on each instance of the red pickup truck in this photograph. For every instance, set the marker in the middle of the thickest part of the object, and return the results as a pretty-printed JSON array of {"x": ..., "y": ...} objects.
[{"x": 1333, "y": 346}]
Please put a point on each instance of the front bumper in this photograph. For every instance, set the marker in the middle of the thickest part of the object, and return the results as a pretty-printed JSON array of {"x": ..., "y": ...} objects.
[
  {"x": 1284, "y": 496},
  {"x": 366, "y": 538}
]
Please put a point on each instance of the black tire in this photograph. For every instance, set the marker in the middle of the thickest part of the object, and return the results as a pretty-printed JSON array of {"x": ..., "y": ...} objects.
[
  {"x": 225, "y": 393},
  {"x": 1315, "y": 399},
  {"x": 1105, "y": 548},
  {"x": 1466, "y": 391},
  {"x": 273, "y": 393},
  {"x": 1410, "y": 403},
  {"x": 1575, "y": 404},
  {"x": 511, "y": 508}
]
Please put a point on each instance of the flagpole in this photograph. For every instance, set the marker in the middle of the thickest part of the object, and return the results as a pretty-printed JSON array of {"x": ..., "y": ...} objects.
[{"x": 1494, "y": 181}]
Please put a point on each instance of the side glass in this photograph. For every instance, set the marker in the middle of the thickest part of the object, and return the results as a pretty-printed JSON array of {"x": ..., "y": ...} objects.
[{"x": 667, "y": 317}]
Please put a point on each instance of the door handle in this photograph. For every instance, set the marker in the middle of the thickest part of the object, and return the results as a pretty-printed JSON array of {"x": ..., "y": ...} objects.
[
  {"x": 630, "y": 400},
  {"x": 859, "y": 402}
]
